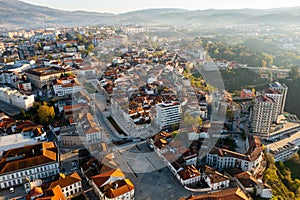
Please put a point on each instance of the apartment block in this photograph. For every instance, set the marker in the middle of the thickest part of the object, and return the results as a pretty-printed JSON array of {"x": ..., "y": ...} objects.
[{"x": 168, "y": 113}]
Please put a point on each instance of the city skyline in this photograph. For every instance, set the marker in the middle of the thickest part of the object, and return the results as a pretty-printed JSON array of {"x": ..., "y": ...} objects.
[{"x": 114, "y": 6}]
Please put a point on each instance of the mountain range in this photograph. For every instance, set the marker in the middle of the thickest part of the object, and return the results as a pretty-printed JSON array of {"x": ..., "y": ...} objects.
[{"x": 15, "y": 14}]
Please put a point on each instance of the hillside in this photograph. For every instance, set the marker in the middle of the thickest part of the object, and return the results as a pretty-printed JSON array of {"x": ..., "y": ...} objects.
[{"x": 15, "y": 14}]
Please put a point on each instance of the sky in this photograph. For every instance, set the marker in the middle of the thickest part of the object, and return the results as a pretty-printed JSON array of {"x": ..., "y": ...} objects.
[{"x": 121, "y": 6}]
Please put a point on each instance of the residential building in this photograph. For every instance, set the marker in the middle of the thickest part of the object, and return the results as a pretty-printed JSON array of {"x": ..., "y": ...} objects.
[
  {"x": 14, "y": 97},
  {"x": 44, "y": 76},
  {"x": 112, "y": 185},
  {"x": 247, "y": 182},
  {"x": 70, "y": 184},
  {"x": 39, "y": 161},
  {"x": 234, "y": 193},
  {"x": 120, "y": 189},
  {"x": 188, "y": 175},
  {"x": 247, "y": 94},
  {"x": 250, "y": 161},
  {"x": 69, "y": 137},
  {"x": 53, "y": 194},
  {"x": 262, "y": 115},
  {"x": 282, "y": 88},
  {"x": 65, "y": 86},
  {"x": 90, "y": 128},
  {"x": 214, "y": 179},
  {"x": 168, "y": 113},
  {"x": 277, "y": 97}
]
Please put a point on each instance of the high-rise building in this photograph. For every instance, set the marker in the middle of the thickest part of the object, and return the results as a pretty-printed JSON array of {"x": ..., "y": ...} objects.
[
  {"x": 262, "y": 114},
  {"x": 277, "y": 97},
  {"x": 168, "y": 113},
  {"x": 282, "y": 88}
]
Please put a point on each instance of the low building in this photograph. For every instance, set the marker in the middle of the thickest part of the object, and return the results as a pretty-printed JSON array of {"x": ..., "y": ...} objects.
[
  {"x": 44, "y": 76},
  {"x": 282, "y": 151},
  {"x": 14, "y": 97},
  {"x": 214, "y": 179},
  {"x": 245, "y": 94},
  {"x": 90, "y": 129},
  {"x": 112, "y": 185},
  {"x": 39, "y": 161},
  {"x": 249, "y": 183},
  {"x": 69, "y": 137},
  {"x": 189, "y": 175},
  {"x": 53, "y": 194},
  {"x": 250, "y": 161},
  {"x": 18, "y": 140},
  {"x": 70, "y": 184},
  {"x": 234, "y": 194},
  {"x": 66, "y": 86}
]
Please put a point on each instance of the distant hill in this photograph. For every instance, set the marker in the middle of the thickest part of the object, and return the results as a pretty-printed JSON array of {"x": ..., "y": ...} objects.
[{"x": 15, "y": 14}]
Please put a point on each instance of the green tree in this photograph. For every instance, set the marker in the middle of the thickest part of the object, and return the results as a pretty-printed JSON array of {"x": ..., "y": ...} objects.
[
  {"x": 90, "y": 47},
  {"x": 294, "y": 73},
  {"x": 46, "y": 113}
]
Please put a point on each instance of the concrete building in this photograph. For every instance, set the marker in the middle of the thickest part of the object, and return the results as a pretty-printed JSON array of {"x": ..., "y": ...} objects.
[
  {"x": 16, "y": 98},
  {"x": 277, "y": 97},
  {"x": 282, "y": 88},
  {"x": 39, "y": 161},
  {"x": 282, "y": 150},
  {"x": 262, "y": 114},
  {"x": 168, "y": 113}
]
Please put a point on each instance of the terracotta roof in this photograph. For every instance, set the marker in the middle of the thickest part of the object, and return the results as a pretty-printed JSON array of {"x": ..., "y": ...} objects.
[
  {"x": 53, "y": 194},
  {"x": 230, "y": 194},
  {"x": 28, "y": 156},
  {"x": 246, "y": 179},
  {"x": 118, "y": 188},
  {"x": 254, "y": 151},
  {"x": 215, "y": 176},
  {"x": 101, "y": 179},
  {"x": 188, "y": 172},
  {"x": 92, "y": 130},
  {"x": 65, "y": 181}
]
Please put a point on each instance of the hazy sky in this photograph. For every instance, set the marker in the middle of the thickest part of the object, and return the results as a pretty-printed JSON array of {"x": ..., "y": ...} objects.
[{"x": 120, "y": 6}]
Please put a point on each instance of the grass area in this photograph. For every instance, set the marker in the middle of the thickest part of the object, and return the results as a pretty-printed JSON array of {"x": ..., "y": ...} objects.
[
  {"x": 90, "y": 88},
  {"x": 116, "y": 126}
]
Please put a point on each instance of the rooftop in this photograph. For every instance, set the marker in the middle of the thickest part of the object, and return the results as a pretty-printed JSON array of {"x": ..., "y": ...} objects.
[
  {"x": 28, "y": 156},
  {"x": 230, "y": 194}
]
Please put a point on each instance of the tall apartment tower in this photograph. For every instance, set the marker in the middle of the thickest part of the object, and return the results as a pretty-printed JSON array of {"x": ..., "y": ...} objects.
[
  {"x": 168, "y": 113},
  {"x": 282, "y": 88},
  {"x": 277, "y": 97},
  {"x": 262, "y": 115}
]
